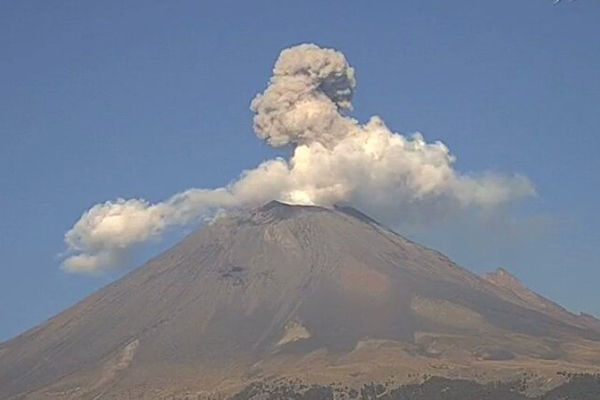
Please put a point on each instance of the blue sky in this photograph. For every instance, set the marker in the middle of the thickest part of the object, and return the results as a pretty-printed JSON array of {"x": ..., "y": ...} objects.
[{"x": 147, "y": 98}]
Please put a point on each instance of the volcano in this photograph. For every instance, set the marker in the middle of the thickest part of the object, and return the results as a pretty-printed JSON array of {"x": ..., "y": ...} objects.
[{"x": 299, "y": 292}]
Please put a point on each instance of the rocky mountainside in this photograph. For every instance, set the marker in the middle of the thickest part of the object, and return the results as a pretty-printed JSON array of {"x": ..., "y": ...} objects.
[
  {"x": 295, "y": 292},
  {"x": 522, "y": 294}
]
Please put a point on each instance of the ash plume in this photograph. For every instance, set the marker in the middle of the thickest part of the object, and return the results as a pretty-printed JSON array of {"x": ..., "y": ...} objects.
[{"x": 335, "y": 160}]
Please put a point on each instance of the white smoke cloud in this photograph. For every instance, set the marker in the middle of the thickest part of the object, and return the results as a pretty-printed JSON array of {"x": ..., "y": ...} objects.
[{"x": 335, "y": 160}]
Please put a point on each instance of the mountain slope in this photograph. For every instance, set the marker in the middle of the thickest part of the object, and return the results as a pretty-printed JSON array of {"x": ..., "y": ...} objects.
[
  {"x": 525, "y": 296},
  {"x": 286, "y": 291}
]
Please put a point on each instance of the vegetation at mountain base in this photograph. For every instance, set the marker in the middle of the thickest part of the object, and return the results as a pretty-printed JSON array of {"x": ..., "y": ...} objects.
[{"x": 579, "y": 387}]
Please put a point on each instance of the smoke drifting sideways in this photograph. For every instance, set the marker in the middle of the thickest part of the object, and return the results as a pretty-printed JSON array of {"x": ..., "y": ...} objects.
[{"x": 335, "y": 160}]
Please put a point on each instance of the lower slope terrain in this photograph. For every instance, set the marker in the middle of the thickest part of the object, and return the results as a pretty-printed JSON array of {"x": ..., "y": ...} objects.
[
  {"x": 308, "y": 294},
  {"x": 581, "y": 387}
]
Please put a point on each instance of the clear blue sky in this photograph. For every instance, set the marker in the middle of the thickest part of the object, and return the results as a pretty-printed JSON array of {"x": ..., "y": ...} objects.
[{"x": 146, "y": 98}]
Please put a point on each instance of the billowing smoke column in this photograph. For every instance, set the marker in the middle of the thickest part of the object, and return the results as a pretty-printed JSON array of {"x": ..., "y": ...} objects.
[
  {"x": 309, "y": 88},
  {"x": 335, "y": 160}
]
